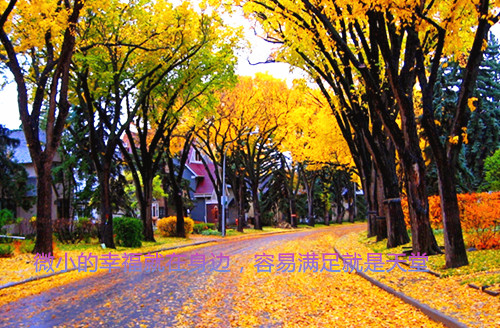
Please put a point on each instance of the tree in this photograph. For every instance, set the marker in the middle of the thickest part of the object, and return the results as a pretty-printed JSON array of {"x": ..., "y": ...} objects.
[
  {"x": 410, "y": 40},
  {"x": 121, "y": 64},
  {"x": 13, "y": 176},
  {"x": 245, "y": 121},
  {"x": 312, "y": 140},
  {"x": 189, "y": 85},
  {"x": 38, "y": 49},
  {"x": 483, "y": 128},
  {"x": 492, "y": 172},
  {"x": 354, "y": 109}
]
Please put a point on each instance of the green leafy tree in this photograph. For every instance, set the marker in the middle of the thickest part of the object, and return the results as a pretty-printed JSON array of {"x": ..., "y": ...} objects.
[{"x": 492, "y": 172}]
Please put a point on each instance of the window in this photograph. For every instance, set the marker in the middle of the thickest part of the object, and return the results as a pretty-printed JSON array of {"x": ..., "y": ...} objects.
[{"x": 196, "y": 157}]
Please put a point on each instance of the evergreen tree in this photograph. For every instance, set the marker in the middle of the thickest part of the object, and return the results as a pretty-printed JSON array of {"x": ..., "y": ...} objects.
[
  {"x": 13, "y": 176},
  {"x": 483, "y": 130}
]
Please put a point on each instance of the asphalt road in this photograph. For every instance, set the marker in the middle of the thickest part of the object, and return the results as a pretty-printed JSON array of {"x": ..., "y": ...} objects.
[{"x": 144, "y": 299}]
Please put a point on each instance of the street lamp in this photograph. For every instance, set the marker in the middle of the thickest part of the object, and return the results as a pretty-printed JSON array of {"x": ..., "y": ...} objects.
[{"x": 224, "y": 196}]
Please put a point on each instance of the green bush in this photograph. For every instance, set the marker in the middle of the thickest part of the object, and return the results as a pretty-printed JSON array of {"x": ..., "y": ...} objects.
[
  {"x": 200, "y": 227},
  {"x": 168, "y": 226},
  {"x": 6, "y": 217},
  {"x": 86, "y": 229},
  {"x": 6, "y": 250},
  {"x": 211, "y": 232},
  {"x": 492, "y": 172},
  {"x": 128, "y": 231},
  {"x": 27, "y": 246}
]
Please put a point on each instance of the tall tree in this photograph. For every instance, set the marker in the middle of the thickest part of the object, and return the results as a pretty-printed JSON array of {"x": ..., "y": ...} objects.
[
  {"x": 246, "y": 120},
  {"x": 38, "y": 42},
  {"x": 482, "y": 135},
  {"x": 120, "y": 64},
  {"x": 189, "y": 85},
  {"x": 354, "y": 109},
  {"x": 411, "y": 47}
]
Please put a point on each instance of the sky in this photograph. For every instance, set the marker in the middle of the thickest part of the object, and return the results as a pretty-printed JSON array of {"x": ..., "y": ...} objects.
[{"x": 259, "y": 52}]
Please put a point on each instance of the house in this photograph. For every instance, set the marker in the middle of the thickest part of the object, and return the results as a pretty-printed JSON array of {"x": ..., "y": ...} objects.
[
  {"x": 22, "y": 156},
  {"x": 205, "y": 208},
  {"x": 201, "y": 191}
]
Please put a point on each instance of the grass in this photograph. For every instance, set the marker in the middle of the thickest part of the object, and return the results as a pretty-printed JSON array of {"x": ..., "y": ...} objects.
[{"x": 483, "y": 268}]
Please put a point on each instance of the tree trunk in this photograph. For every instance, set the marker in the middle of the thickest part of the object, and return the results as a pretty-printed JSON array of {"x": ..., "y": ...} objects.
[
  {"x": 397, "y": 233},
  {"x": 327, "y": 216},
  {"x": 146, "y": 214},
  {"x": 396, "y": 228},
  {"x": 380, "y": 233},
  {"x": 43, "y": 242},
  {"x": 340, "y": 212},
  {"x": 454, "y": 245},
  {"x": 351, "y": 210},
  {"x": 240, "y": 204},
  {"x": 106, "y": 209},
  {"x": 293, "y": 212},
  {"x": 179, "y": 209},
  {"x": 371, "y": 198},
  {"x": 423, "y": 240},
  {"x": 310, "y": 212},
  {"x": 256, "y": 208}
]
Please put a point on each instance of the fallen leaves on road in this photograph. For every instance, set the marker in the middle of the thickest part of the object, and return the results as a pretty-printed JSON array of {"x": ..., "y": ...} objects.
[{"x": 296, "y": 299}]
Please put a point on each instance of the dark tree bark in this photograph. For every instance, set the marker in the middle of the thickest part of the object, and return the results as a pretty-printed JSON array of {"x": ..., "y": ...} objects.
[
  {"x": 50, "y": 89},
  {"x": 146, "y": 205},
  {"x": 106, "y": 207},
  {"x": 43, "y": 242},
  {"x": 241, "y": 203},
  {"x": 446, "y": 155},
  {"x": 175, "y": 173},
  {"x": 256, "y": 207}
]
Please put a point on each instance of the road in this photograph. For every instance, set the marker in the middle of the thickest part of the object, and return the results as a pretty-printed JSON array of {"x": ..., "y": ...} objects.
[{"x": 188, "y": 299}]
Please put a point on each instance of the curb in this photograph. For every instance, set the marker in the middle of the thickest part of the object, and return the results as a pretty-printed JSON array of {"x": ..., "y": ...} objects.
[{"x": 427, "y": 310}]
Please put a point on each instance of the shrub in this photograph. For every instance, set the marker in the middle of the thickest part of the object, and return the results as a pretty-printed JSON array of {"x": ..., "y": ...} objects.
[
  {"x": 69, "y": 231},
  {"x": 168, "y": 226},
  {"x": 492, "y": 172},
  {"x": 210, "y": 232},
  {"x": 27, "y": 246},
  {"x": 85, "y": 229},
  {"x": 6, "y": 217},
  {"x": 128, "y": 231},
  {"x": 200, "y": 227},
  {"x": 6, "y": 250},
  {"x": 479, "y": 215}
]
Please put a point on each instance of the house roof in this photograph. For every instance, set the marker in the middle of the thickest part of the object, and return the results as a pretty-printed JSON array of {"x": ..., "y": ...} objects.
[
  {"x": 21, "y": 152},
  {"x": 204, "y": 185}
]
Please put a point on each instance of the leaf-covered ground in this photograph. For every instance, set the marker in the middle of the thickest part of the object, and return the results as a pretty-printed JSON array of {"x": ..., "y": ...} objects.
[
  {"x": 242, "y": 297},
  {"x": 447, "y": 294}
]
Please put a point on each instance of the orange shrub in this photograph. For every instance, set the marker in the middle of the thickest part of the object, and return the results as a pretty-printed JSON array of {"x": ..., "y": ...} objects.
[
  {"x": 479, "y": 214},
  {"x": 167, "y": 226}
]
